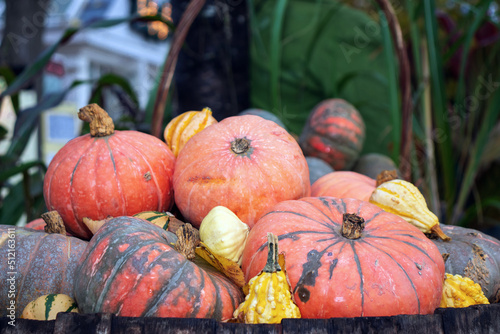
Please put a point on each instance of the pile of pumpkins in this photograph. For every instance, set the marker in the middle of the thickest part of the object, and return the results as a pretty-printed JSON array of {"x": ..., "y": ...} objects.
[{"x": 250, "y": 239}]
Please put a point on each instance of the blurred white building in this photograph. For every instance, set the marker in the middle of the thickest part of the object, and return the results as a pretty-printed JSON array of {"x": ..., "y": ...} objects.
[{"x": 135, "y": 53}]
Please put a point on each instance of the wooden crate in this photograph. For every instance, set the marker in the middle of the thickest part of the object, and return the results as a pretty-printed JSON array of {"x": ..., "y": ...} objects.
[{"x": 473, "y": 319}]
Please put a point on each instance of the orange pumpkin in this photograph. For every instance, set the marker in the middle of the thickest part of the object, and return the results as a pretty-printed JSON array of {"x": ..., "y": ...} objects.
[
  {"x": 349, "y": 258},
  {"x": 245, "y": 163},
  {"x": 344, "y": 184},
  {"x": 108, "y": 173}
]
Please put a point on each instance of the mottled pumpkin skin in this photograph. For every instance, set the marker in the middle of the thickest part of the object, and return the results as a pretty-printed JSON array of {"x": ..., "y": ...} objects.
[
  {"x": 334, "y": 132},
  {"x": 344, "y": 184},
  {"x": 44, "y": 263},
  {"x": 130, "y": 268},
  {"x": 36, "y": 224},
  {"x": 391, "y": 269},
  {"x": 474, "y": 255},
  {"x": 208, "y": 173},
  {"x": 120, "y": 174}
]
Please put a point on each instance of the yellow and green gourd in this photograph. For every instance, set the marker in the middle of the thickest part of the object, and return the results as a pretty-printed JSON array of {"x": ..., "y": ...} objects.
[
  {"x": 47, "y": 307},
  {"x": 269, "y": 299}
]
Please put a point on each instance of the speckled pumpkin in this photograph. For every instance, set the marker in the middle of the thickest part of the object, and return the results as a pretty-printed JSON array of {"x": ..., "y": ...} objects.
[
  {"x": 475, "y": 255},
  {"x": 44, "y": 263},
  {"x": 130, "y": 268},
  {"x": 108, "y": 173},
  {"x": 245, "y": 163},
  {"x": 388, "y": 268}
]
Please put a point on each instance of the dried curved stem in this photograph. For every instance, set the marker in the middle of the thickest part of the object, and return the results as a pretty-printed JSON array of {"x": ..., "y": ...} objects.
[
  {"x": 179, "y": 37},
  {"x": 405, "y": 85}
]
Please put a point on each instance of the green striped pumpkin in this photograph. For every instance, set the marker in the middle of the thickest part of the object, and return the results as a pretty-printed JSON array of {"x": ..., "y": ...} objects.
[
  {"x": 335, "y": 133},
  {"x": 130, "y": 268},
  {"x": 47, "y": 307},
  {"x": 160, "y": 219}
]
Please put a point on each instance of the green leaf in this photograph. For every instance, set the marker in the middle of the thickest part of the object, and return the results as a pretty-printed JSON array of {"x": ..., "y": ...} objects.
[
  {"x": 30, "y": 71},
  {"x": 466, "y": 46},
  {"x": 476, "y": 152},
  {"x": 6, "y": 174},
  {"x": 392, "y": 78},
  {"x": 276, "y": 35},
  {"x": 440, "y": 111},
  {"x": 9, "y": 78},
  {"x": 3, "y": 132},
  {"x": 27, "y": 120}
]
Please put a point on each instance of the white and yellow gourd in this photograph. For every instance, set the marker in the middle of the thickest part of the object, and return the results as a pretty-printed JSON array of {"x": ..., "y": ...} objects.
[
  {"x": 405, "y": 200},
  {"x": 224, "y": 233}
]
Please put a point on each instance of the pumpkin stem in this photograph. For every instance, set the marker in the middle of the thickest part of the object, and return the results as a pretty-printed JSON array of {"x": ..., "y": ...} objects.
[
  {"x": 272, "y": 264},
  {"x": 188, "y": 239},
  {"x": 99, "y": 121},
  {"x": 386, "y": 176},
  {"x": 437, "y": 230},
  {"x": 352, "y": 226},
  {"x": 240, "y": 145},
  {"x": 54, "y": 223}
]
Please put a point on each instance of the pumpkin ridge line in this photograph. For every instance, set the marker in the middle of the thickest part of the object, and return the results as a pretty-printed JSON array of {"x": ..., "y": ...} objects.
[
  {"x": 360, "y": 272},
  {"x": 118, "y": 265},
  {"x": 330, "y": 226},
  {"x": 290, "y": 236},
  {"x": 77, "y": 226},
  {"x": 402, "y": 269},
  {"x": 166, "y": 288},
  {"x": 153, "y": 174},
  {"x": 28, "y": 263},
  {"x": 118, "y": 184},
  {"x": 303, "y": 216},
  {"x": 405, "y": 242},
  {"x": 53, "y": 171},
  {"x": 302, "y": 278},
  {"x": 217, "y": 309}
]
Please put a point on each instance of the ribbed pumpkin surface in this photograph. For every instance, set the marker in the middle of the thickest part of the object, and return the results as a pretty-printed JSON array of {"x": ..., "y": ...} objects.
[
  {"x": 120, "y": 174},
  {"x": 44, "y": 263},
  {"x": 391, "y": 269},
  {"x": 474, "y": 255},
  {"x": 245, "y": 163},
  {"x": 344, "y": 184},
  {"x": 131, "y": 269},
  {"x": 334, "y": 132}
]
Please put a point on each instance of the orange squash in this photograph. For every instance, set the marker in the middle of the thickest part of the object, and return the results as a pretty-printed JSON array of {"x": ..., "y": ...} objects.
[
  {"x": 245, "y": 163},
  {"x": 180, "y": 129},
  {"x": 344, "y": 184}
]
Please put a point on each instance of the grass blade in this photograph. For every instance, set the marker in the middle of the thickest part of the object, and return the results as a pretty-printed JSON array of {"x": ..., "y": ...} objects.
[
  {"x": 442, "y": 135},
  {"x": 275, "y": 54},
  {"x": 476, "y": 152},
  {"x": 392, "y": 79},
  {"x": 466, "y": 46}
]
